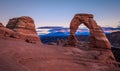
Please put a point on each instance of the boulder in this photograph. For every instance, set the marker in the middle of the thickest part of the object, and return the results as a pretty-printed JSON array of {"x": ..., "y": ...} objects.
[
  {"x": 97, "y": 37},
  {"x": 24, "y": 26}
]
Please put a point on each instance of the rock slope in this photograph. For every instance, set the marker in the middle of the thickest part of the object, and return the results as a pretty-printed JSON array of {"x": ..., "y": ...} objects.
[{"x": 18, "y": 55}]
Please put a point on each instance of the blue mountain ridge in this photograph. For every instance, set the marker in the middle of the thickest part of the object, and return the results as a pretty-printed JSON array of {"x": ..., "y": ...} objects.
[
  {"x": 52, "y": 34},
  {"x": 61, "y": 31}
]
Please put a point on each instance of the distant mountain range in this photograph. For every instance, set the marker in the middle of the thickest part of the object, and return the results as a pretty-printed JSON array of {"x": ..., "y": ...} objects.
[
  {"x": 61, "y": 31},
  {"x": 52, "y": 34}
]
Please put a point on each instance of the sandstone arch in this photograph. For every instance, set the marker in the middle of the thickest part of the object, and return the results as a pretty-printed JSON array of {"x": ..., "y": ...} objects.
[{"x": 97, "y": 36}]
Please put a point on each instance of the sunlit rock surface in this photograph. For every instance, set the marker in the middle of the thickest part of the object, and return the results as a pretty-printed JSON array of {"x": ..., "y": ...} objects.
[
  {"x": 25, "y": 28},
  {"x": 97, "y": 37}
]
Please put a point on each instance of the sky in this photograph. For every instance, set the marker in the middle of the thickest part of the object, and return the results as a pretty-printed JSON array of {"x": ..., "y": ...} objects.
[{"x": 60, "y": 12}]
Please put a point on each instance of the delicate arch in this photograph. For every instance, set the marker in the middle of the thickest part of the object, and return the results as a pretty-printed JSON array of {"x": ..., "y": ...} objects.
[{"x": 97, "y": 36}]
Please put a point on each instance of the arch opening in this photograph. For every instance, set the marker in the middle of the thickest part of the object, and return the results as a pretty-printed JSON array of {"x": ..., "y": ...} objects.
[{"x": 82, "y": 33}]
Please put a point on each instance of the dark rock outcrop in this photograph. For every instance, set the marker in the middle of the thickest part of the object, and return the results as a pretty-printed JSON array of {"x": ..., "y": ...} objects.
[
  {"x": 25, "y": 28},
  {"x": 116, "y": 52},
  {"x": 97, "y": 37},
  {"x": 114, "y": 38}
]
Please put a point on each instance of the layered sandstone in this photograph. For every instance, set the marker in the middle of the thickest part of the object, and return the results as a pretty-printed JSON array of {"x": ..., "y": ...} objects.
[
  {"x": 20, "y": 28},
  {"x": 25, "y": 28},
  {"x": 97, "y": 37}
]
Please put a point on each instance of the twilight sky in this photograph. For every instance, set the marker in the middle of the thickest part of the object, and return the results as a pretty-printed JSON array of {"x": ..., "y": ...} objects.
[{"x": 60, "y": 12}]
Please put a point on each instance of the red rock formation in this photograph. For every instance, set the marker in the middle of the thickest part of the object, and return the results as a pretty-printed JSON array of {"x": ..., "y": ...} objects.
[
  {"x": 72, "y": 40},
  {"x": 1, "y": 25},
  {"x": 5, "y": 32},
  {"x": 17, "y": 55},
  {"x": 24, "y": 26},
  {"x": 97, "y": 36}
]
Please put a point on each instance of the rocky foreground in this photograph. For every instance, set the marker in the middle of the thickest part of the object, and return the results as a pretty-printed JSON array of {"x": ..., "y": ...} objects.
[{"x": 21, "y": 50}]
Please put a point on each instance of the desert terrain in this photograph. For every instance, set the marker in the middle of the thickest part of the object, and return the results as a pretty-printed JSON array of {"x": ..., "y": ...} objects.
[{"x": 22, "y": 50}]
